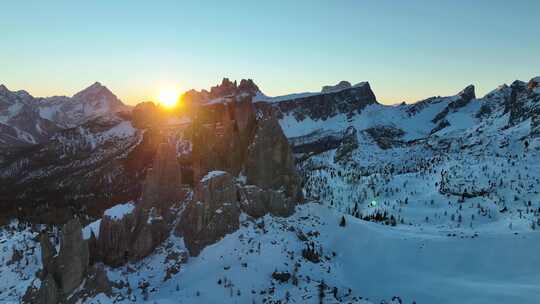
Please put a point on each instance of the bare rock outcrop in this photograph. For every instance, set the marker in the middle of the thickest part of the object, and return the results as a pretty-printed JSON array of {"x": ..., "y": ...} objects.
[
  {"x": 534, "y": 83},
  {"x": 150, "y": 231},
  {"x": 114, "y": 239},
  {"x": 335, "y": 88},
  {"x": 211, "y": 214},
  {"x": 347, "y": 146},
  {"x": 135, "y": 234},
  {"x": 221, "y": 135},
  {"x": 257, "y": 202},
  {"x": 335, "y": 100},
  {"x": 215, "y": 208},
  {"x": 162, "y": 185},
  {"x": 48, "y": 251},
  {"x": 460, "y": 100},
  {"x": 269, "y": 163},
  {"x": 130, "y": 237},
  {"x": 63, "y": 274},
  {"x": 145, "y": 115},
  {"x": 262, "y": 153},
  {"x": 386, "y": 137},
  {"x": 245, "y": 118},
  {"x": 73, "y": 257},
  {"x": 48, "y": 292}
]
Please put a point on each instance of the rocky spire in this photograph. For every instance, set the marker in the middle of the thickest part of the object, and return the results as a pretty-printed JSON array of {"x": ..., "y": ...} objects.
[
  {"x": 73, "y": 257},
  {"x": 162, "y": 185},
  {"x": 269, "y": 162}
]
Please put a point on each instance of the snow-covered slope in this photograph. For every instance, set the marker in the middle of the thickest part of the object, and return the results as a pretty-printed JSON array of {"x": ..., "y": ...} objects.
[{"x": 361, "y": 260}]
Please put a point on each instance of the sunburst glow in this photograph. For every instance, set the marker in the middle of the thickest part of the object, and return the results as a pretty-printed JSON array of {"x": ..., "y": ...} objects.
[{"x": 168, "y": 97}]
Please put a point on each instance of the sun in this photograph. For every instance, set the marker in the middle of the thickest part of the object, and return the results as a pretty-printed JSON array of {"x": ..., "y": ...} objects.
[{"x": 168, "y": 97}]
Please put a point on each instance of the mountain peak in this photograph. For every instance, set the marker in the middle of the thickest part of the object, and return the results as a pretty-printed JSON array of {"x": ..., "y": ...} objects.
[
  {"x": 338, "y": 87},
  {"x": 3, "y": 88},
  {"x": 468, "y": 92},
  {"x": 99, "y": 95},
  {"x": 95, "y": 87},
  {"x": 97, "y": 84},
  {"x": 96, "y": 90}
]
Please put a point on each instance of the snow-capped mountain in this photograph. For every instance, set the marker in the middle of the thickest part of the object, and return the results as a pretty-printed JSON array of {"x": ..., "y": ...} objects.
[
  {"x": 25, "y": 119},
  {"x": 94, "y": 101},
  {"x": 20, "y": 122},
  {"x": 314, "y": 197}
]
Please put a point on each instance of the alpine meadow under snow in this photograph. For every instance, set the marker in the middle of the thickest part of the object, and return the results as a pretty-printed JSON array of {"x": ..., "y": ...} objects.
[{"x": 322, "y": 197}]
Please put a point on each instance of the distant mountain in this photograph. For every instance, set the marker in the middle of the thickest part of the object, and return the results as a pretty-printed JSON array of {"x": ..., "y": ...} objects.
[
  {"x": 331, "y": 101},
  {"x": 25, "y": 119},
  {"x": 96, "y": 100},
  {"x": 20, "y": 122}
]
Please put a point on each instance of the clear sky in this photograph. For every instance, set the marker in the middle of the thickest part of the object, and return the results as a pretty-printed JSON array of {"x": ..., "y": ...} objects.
[{"x": 406, "y": 49}]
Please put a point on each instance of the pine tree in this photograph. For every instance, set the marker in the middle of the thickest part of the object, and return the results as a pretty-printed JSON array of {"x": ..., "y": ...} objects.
[
  {"x": 342, "y": 223},
  {"x": 321, "y": 292}
]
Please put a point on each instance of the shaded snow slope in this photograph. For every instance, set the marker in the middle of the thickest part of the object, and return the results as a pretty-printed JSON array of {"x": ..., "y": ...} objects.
[{"x": 376, "y": 262}]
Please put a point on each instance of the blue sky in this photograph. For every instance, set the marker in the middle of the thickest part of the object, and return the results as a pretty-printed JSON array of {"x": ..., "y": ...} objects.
[{"x": 407, "y": 50}]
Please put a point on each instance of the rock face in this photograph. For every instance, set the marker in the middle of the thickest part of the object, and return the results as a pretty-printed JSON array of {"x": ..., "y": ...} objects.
[
  {"x": 273, "y": 186},
  {"x": 534, "y": 83},
  {"x": 225, "y": 88},
  {"x": 216, "y": 146},
  {"x": 48, "y": 251},
  {"x": 162, "y": 185},
  {"x": 338, "y": 87},
  {"x": 151, "y": 230},
  {"x": 517, "y": 103},
  {"x": 72, "y": 261},
  {"x": 247, "y": 86},
  {"x": 193, "y": 99},
  {"x": 348, "y": 101},
  {"x": 48, "y": 292},
  {"x": 466, "y": 95},
  {"x": 130, "y": 238},
  {"x": 257, "y": 202},
  {"x": 316, "y": 142},
  {"x": 269, "y": 162},
  {"x": 114, "y": 239},
  {"x": 386, "y": 136},
  {"x": 138, "y": 232},
  {"x": 146, "y": 115},
  {"x": 460, "y": 100},
  {"x": 215, "y": 209},
  {"x": 221, "y": 134},
  {"x": 348, "y": 145},
  {"x": 244, "y": 116},
  {"x": 64, "y": 273},
  {"x": 212, "y": 213}
]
